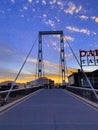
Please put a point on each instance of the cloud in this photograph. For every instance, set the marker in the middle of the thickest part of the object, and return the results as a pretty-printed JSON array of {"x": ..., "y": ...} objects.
[
  {"x": 25, "y": 8},
  {"x": 44, "y": 2},
  {"x": 56, "y": 68},
  {"x": 94, "y": 18},
  {"x": 9, "y": 75},
  {"x": 57, "y": 48},
  {"x": 13, "y": 1},
  {"x": 48, "y": 66},
  {"x": 72, "y": 8},
  {"x": 32, "y": 60},
  {"x": 37, "y": 1},
  {"x": 69, "y": 38},
  {"x": 84, "y": 17},
  {"x": 10, "y": 57},
  {"x": 44, "y": 15},
  {"x": 52, "y": 2},
  {"x": 33, "y": 9},
  {"x": 94, "y": 33},
  {"x": 72, "y": 70},
  {"x": 57, "y": 19},
  {"x": 75, "y": 29},
  {"x": 54, "y": 43},
  {"x": 6, "y": 54},
  {"x": 6, "y": 50},
  {"x": 22, "y": 16},
  {"x": 78, "y": 9},
  {"x": 61, "y": 5},
  {"x": 47, "y": 63},
  {"x": 30, "y": 1},
  {"x": 50, "y": 22}
]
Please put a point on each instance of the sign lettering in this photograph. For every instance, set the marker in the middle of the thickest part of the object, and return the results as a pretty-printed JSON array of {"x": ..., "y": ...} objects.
[{"x": 89, "y": 58}]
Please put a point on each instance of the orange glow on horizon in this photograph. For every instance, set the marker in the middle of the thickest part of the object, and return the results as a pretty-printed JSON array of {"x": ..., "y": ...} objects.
[
  {"x": 27, "y": 78},
  {"x": 56, "y": 78}
]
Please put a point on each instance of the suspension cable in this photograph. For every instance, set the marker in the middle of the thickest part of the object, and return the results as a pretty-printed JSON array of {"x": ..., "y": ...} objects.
[
  {"x": 66, "y": 68},
  {"x": 87, "y": 79},
  {"x": 36, "y": 71},
  {"x": 59, "y": 70},
  {"x": 12, "y": 85}
]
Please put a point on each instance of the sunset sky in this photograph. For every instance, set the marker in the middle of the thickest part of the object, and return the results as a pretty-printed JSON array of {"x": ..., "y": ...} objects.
[{"x": 21, "y": 21}]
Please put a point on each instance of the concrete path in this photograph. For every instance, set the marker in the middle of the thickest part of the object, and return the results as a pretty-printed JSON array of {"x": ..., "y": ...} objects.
[{"x": 50, "y": 109}]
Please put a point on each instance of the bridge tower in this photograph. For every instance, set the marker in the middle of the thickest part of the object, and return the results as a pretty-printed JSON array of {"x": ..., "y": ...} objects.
[
  {"x": 40, "y": 57},
  {"x": 40, "y": 52},
  {"x": 62, "y": 56}
]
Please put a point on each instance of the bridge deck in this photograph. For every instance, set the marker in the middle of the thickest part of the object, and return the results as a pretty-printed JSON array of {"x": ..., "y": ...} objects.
[{"x": 50, "y": 109}]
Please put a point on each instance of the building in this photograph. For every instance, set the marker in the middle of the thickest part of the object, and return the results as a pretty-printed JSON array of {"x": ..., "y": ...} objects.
[
  {"x": 79, "y": 80},
  {"x": 42, "y": 81},
  {"x": 6, "y": 85}
]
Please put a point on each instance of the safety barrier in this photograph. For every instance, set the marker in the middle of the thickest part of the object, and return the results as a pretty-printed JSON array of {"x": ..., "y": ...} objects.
[
  {"x": 17, "y": 93},
  {"x": 83, "y": 92}
]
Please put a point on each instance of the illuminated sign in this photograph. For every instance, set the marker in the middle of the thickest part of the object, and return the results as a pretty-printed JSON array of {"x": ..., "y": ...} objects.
[{"x": 89, "y": 58}]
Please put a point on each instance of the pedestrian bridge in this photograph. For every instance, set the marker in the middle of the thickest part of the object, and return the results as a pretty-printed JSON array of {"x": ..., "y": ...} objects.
[{"x": 50, "y": 109}]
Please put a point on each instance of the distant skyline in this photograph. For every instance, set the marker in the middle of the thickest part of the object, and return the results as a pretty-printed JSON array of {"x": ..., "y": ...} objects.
[{"x": 21, "y": 21}]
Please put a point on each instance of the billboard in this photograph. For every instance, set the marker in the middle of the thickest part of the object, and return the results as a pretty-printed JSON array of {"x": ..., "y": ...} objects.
[{"x": 89, "y": 57}]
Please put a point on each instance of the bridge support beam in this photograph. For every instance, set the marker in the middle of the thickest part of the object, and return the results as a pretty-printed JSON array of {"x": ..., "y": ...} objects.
[
  {"x": 40, "y": 52},
  {"x": 62, "y": 57},
  {"x": 40, "y": 57}
]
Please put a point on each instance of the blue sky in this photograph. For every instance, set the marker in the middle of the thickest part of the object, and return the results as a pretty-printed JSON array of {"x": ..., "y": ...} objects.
[{"x": 21, "y": 20}]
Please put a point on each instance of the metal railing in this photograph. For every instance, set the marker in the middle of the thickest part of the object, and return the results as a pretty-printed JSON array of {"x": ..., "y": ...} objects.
[
  {"x": 84, "y": 92},
  {"x": 16, "y": 93}
]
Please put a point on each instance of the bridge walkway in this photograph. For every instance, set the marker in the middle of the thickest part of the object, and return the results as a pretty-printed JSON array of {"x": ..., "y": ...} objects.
[{"x": 50, "y": 109}]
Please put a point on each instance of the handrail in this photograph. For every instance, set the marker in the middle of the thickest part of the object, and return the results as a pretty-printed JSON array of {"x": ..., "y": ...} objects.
[
  {"x": 14, "y": 90},
  {"x": 82, "y": 88}
]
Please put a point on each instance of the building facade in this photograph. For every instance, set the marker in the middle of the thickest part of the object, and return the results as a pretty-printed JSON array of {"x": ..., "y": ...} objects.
[
  {"x": 42, "y": 81},
  {"x": 79, "y": 80}
]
